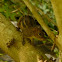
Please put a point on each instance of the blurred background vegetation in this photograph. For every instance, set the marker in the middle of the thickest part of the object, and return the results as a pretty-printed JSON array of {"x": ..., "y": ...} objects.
[{"x": 12, "y": 9}]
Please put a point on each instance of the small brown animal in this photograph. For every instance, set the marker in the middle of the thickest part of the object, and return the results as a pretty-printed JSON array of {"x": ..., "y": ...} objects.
[{"x": 30, "y": 28}]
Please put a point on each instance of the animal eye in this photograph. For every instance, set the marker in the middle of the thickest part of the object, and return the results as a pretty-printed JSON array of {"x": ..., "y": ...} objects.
[{"x": 39, "y": 34}]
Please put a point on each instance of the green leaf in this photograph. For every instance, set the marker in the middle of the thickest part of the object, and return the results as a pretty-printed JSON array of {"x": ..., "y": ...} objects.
[
  {"x": 12, "y": 16},
  {"x": 1, "y": 9},
  {"x": 44, "y": 42},
  {"x": 1, "y": 54},
  {"x": 55, "y": 32}
]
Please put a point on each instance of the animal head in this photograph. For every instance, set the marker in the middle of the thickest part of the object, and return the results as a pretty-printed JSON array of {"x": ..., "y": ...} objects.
[{"x": 38, "y": 33}]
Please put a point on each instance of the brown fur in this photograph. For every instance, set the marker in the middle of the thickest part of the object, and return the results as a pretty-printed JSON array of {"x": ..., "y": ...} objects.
[{"x": 29, "y": 28}]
